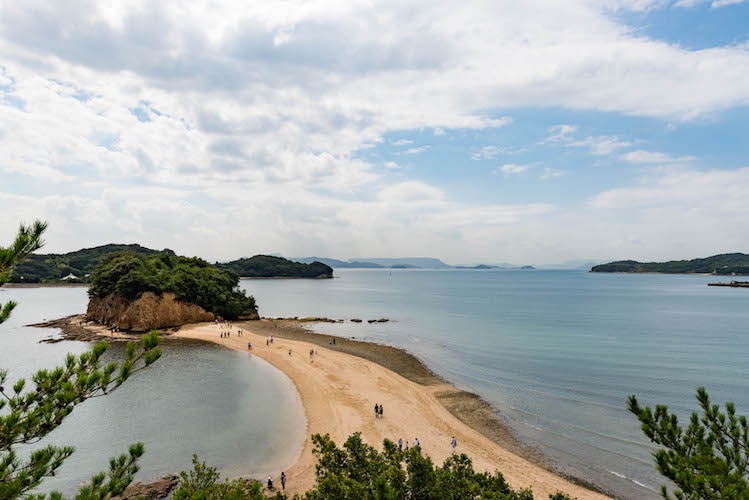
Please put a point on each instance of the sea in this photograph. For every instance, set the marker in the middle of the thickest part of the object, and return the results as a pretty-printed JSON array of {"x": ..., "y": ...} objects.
[
  {"x": 234, "y": 411},
  {"x": 556, "y": 353}
]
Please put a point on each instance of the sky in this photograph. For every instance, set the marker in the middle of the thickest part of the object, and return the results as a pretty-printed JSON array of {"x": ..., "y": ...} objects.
[{"x": 530, "y": 132}]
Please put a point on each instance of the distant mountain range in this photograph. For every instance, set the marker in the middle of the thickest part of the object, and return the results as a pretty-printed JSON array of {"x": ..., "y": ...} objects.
[
  {"x": 398, "y": 263},
  {"x": 724, "y": 264}
]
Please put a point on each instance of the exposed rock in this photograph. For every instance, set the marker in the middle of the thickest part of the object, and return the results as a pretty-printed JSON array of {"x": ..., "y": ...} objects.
[
  {"x": 157, "y": 489},
  {"x": 71, "y": 328},
  {"x": 148, "y": 312}
]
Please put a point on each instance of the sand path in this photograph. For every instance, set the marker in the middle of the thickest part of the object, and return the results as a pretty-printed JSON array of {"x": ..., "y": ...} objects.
[{"x": 339, "y": 392}]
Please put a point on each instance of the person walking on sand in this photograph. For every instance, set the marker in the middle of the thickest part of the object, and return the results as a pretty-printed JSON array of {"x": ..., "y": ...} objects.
[
  {"x": 283, "y": 481},
  {"x": 454, "y": 443},
  {"x": 377, "y": 410},
  {"x": 249, "y": 345},
  {"x": 270, "y": 483},
  {"x": 380, "y": 410},
  {"x": 400, "y": 443},
  {"x": 416, "y": 442}
]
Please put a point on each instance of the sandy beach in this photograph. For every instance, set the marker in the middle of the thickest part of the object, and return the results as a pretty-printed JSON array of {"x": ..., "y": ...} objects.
[{"x": 339, "y": 390}]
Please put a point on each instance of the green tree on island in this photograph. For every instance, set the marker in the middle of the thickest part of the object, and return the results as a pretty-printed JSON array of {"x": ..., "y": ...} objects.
[
  {"x": 191, "y": 279},
  {"x": 707, "y": 460},
  {"x": 29, "y": 413}
]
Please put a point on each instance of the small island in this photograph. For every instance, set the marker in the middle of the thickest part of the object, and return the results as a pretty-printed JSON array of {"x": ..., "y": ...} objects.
[
  {"x": 269, "y": 266},
  {"x": 137, "y": 292},
  {"x": 728, "y": 264}
]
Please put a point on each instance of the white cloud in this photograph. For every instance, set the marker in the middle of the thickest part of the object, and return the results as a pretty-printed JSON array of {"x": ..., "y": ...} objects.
[
  {"x": 512, "y": 168},
  {"x": 724, "y": 3},
  {"x": 391, "y": 165},
  {"x": 715, "y": 191},
  {"x": 636, "y": 5},
  {"x": 598, "y": 145},
  {"x": 715, "y": 4},
  {"x": 641, "y": 156},
  {"x": 559, "y": 133},
  {"x": 172, "y": 124},
  {"x": 439, "y": 131},
  {"x": 486, "y": 153},
  {"x": 417, "y": 150},
  {"x": 601, "y": 145},
  {"x": 402, "y": 142},
  {"x": 688, "y": 3},
  {"x": 551, "y": 173},
  {"x": 411, "y": 191}
]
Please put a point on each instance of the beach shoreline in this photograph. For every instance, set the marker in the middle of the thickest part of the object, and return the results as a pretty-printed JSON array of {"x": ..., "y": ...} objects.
[{"x": 340, "y": 384}]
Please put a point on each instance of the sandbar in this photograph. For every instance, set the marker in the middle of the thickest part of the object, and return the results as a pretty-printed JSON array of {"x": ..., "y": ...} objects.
[{"x": 339, "y": 389}]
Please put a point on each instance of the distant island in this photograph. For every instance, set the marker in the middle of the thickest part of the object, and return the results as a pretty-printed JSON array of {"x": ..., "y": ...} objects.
[
  {"x": 77, "y": 267},
  {"x": 399, "y": 263},
  {"x": 268, "y": 266},
  {"x": 728, "y": 264}
]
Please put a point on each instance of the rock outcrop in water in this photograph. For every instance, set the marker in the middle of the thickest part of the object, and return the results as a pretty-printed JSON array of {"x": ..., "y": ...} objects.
[{"x": 145, "y": 313}]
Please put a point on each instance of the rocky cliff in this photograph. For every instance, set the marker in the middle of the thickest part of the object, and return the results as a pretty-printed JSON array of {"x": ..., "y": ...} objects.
[{"x": 148, "y": 312}]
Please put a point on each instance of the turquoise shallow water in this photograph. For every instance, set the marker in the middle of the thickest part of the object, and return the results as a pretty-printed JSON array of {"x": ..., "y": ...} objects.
[
  {"x": 556, "y": 352},
  {"x": 235, "y": 411}
]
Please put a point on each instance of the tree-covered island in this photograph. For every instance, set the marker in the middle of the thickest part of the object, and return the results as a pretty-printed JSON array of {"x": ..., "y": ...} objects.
[
  {"x": 192, "y": 280},
  {"x": 727, "y": 264},
  {"x": 268, "y": 266}
]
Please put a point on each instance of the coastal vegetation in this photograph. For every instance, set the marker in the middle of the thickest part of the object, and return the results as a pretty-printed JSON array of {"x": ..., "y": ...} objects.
[
  {"x": 709, "y": 459},
  {"x": 723, "y": 264},
  {"x": 75, "y": 266},
  {"x": 129, "y": 275},
  {"x": 268, "y": 266},
  {"x": 358, "y": 470},
  {"x": 29, "y": 412}
]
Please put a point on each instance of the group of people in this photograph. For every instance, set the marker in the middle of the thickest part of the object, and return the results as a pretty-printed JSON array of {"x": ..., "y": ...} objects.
[
  {"x": 453, "y": 443},
  {"x": 283, "y": 482},
  {"x": 378, "y": 410}
]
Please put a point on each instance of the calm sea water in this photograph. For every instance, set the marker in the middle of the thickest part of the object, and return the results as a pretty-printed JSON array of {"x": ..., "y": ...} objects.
[
  {"x": 235, "y": 411},
  {"x": 556, "y": 352}
]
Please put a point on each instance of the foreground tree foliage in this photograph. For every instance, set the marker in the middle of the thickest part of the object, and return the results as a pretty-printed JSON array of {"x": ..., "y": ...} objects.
[
  {"x": 709, "y": 459},
  {"x": 358, "y": 471},
  {"x": 29, "y": 412},
  {"x": 29, "y": 239},
  {"x": 191, "y": 279},
  {"x": 204, "y": 483}
]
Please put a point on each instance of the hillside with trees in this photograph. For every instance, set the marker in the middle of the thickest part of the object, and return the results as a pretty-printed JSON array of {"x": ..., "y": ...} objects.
[
  {"x": 78, "y": 266},
  {"x": 725, "y": 264},
  {"x": 54, "y": 268},
  {"x": 268, "y": 266},
  {"x": 130, "y": 275}
]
